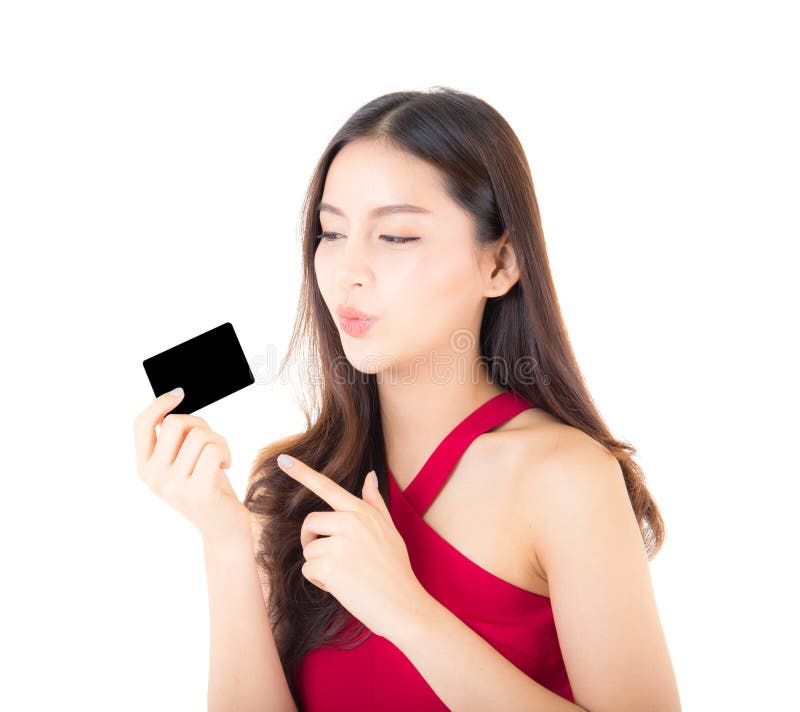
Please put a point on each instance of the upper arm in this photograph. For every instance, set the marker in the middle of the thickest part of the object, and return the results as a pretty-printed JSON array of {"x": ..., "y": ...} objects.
[{"x": 590, "y": 547}]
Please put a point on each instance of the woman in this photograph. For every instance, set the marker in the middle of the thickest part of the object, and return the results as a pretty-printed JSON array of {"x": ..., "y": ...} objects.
[{"x": 501, "y": 559}]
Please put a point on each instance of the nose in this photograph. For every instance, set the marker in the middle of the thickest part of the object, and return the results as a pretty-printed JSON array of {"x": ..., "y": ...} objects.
[{"x": 352, "y": 263}]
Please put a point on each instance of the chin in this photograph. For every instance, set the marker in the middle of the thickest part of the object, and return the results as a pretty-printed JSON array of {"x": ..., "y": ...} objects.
[{"x": 370, "y": 361}]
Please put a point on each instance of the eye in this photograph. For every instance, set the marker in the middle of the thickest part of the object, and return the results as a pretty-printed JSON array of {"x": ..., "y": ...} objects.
[
  {"x": 399, "y": 240},
  {"x": 331, "y": 236}
]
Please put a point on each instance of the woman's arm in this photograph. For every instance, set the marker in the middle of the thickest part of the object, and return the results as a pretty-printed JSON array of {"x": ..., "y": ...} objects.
[
  {"x": 465, "y": 671},
  {"x": 589, "y": 544},
  {"x": 245, "y": 671}
]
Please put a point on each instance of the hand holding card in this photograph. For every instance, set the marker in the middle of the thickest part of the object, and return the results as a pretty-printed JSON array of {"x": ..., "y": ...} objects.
[{"x": 184, "y": 465}]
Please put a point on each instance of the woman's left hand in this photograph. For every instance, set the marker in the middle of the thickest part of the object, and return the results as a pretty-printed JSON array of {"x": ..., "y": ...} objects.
[{"x": 362, "y": 558}]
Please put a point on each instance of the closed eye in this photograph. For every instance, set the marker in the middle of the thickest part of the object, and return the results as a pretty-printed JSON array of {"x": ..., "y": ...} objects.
[{"x": 331, "y": 236}]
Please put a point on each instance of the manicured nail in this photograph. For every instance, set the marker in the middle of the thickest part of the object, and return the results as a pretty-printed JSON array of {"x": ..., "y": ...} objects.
[
  {"x": 375, "y": 478},
  {"x": 285, "y": 461},
  {"x": 176, "y": 392}
]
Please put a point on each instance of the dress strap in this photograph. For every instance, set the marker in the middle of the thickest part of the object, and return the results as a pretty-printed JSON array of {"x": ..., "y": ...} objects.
[{"x": 428, "y": 482}]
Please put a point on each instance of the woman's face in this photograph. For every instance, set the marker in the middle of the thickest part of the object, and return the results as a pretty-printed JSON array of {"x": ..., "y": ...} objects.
[{"x": 422, "y": 293}]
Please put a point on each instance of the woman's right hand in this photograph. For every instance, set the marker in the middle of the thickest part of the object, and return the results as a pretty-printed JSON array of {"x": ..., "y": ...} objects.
[{"x": 184, "y": 466}]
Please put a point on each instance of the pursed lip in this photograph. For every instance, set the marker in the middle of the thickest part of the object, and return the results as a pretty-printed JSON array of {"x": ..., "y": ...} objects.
[{"x": 351, "y": 313}]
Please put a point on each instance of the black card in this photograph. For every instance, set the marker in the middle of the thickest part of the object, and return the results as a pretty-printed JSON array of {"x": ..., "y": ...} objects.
[{"x": 208, "y": 367}]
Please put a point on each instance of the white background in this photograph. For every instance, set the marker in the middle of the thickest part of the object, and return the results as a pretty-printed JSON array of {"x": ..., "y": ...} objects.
[{"x": 153, "y": 161}]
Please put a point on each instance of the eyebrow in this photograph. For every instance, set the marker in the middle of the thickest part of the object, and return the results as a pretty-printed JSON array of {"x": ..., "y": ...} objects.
[{"x": 377, "y": 212}]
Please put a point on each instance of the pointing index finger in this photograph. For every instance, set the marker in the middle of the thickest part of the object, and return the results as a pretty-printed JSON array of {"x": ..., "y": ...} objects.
[{"x": 331, "y": 492}]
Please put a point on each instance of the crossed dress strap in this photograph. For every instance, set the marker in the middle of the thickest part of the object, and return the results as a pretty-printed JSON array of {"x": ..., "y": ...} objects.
[{"x": 425, "y": 486}]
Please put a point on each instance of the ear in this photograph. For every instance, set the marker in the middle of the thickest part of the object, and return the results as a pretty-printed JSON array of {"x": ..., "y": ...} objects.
[{"x": 501, "y": 267}]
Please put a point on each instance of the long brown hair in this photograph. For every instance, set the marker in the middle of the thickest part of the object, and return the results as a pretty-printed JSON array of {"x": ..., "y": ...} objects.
[{"x": 485, "y": 171}]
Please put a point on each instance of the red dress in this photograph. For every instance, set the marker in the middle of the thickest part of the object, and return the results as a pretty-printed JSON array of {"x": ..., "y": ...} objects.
[{"x": 519, "y": 624}]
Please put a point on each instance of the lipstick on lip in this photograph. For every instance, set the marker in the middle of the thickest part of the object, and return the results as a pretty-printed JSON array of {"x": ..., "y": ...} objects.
[
  {"x": 355, "y": 327},
  {"x": 351, "y": 312},
  {"x": 353, "y": 321}
]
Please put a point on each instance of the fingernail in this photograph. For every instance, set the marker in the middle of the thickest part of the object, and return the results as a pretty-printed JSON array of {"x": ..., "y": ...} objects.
[
  {"x": 375, "y": 478},
  {"x": 285, "y": 461},
  {"x": 176, "y": 392}
]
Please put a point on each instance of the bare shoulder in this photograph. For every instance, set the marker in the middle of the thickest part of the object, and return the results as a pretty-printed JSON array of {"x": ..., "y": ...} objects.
[
  {"x": 548, "y": 460},
  {"x": 543, "y": 452},
  {"x": 553, "y": 458}
]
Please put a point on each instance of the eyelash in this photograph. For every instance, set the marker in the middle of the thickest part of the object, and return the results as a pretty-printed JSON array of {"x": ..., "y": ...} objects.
[{"x": 394, "y": 239}]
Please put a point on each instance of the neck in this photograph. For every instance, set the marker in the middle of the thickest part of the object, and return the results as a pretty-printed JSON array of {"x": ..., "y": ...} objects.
[{"x": 417, "y": 413}]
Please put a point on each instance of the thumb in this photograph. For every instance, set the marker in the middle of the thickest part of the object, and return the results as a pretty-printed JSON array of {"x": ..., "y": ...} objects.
[{"x": 372, "y": 494}]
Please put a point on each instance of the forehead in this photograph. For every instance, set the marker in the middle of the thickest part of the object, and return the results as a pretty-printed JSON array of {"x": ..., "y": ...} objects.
[{"x": 368, "y": 174}]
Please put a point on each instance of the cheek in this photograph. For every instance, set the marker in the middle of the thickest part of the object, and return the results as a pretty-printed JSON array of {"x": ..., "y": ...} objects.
[
  {"x": 434, "y": 274},
  {"x": 446, "y": 281},
  {"x": 433, "y": 298}
]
